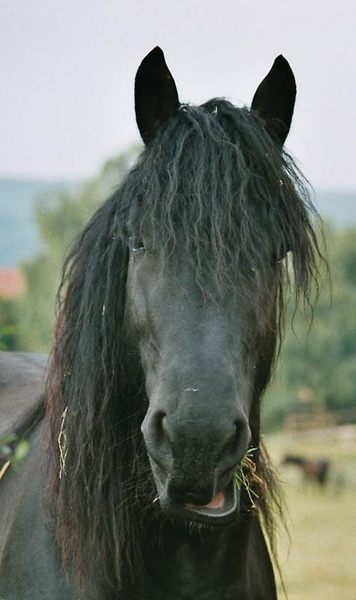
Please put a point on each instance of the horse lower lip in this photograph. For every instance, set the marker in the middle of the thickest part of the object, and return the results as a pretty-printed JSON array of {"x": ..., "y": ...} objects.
[
  {"x": 221, "y": 510},
  {"x": 225, "y": 503},
  {"x": 217, "y": 502}
]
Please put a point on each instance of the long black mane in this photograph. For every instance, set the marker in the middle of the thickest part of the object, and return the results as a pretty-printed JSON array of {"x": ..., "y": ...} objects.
[{"x": 213, "y": 181}]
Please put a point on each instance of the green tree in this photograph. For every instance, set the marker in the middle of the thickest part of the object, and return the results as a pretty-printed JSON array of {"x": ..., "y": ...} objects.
[
  {"x": 318, "y": 365},
  {"x": 59, "y": 220},
  {"x": 8, "y": 324}
]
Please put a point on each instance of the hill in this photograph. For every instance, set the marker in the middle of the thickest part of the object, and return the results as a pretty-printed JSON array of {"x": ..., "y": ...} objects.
[
  {"x": 338, "y": 208},
  {"x": 18, "y": 234}
]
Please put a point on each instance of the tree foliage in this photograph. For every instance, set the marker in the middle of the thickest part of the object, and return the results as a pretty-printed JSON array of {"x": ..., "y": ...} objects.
[
  {"x": 9, "y": 335},
  {"x": 317, "y": 367},
  {"x": 59, "y": 220}
]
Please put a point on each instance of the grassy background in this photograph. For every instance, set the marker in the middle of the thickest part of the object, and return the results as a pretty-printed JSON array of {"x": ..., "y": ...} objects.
[{"x": 319, "y": 560}]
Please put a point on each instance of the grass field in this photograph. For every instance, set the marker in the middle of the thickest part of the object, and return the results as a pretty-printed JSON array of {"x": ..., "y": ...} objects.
[{"x": 319, "y": 560}]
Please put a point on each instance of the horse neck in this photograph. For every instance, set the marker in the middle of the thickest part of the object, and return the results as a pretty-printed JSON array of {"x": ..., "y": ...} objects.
[
  {"x": 180, "y": 556},
  {"x": 203, "y": 564}
]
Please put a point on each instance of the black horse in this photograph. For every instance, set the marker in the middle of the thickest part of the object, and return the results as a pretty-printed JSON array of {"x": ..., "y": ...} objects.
[{"x": 146, "y": 478}]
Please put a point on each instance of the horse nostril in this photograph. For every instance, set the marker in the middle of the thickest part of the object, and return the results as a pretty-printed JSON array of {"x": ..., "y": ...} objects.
[
  {"x": 158, "y": 443},
  {"x": 235, "y": 446},
  {"x": 159, "y": 427},
  {"x": 242, "y": 431}
]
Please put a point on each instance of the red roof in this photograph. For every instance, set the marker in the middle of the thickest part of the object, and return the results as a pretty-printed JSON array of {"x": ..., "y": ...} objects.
[{"x": 12, "y": 283}]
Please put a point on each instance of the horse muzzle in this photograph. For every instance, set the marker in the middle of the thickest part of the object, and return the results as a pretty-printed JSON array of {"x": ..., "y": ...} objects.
[
  {"x": 212, "y": 503},
  {"x": 194, "y": 455},
  {"x": 221, "y": 511}
]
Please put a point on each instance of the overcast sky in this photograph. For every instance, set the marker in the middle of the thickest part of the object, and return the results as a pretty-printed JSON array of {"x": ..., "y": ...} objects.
[{"x": 67, "y": 70}]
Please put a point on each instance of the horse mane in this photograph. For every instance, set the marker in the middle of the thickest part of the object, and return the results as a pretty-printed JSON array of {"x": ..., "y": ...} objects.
[{"x": 212, "y": 180}]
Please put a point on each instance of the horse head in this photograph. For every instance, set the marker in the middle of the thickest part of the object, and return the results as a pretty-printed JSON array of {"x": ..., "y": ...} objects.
[{"x": 200, "y": 305}]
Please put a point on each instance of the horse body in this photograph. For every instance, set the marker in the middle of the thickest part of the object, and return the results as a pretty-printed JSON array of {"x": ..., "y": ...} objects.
[
  {"x": 28, "y": 564},
  {"x": 170, "y": 316},
  {"x": 313, "y": 469}
]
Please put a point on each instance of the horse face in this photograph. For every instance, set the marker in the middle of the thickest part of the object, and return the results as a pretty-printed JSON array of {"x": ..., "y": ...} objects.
[{"x": 200, "y": 363}]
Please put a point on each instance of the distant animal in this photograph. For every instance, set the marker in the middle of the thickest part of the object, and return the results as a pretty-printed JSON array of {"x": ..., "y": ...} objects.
[
  {"x": 317, "y": 470},
  {"x": 170, "y": 315}
]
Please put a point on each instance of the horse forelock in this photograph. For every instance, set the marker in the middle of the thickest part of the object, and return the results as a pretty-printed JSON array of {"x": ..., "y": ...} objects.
[{"x": 214, "y": 184}]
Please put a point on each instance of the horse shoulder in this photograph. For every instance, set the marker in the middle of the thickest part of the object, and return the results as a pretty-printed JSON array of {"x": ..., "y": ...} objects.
[{"x": 21, "y": 388}]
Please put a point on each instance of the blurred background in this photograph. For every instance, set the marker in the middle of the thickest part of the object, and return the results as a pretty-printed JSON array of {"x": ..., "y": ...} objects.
[{"x": 68, "y": 136}]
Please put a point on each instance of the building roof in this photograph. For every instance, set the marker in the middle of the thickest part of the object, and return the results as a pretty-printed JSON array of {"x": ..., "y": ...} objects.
[{"x": 12, "y": 283}]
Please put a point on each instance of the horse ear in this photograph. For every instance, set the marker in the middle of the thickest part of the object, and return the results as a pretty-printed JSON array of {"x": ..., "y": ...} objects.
[
  {"x": 275, "y": 98},
  {"x": 156, "y": 97}
]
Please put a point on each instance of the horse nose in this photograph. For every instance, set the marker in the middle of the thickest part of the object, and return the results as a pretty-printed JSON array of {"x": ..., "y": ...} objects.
[{"x": 194, "y": 455}]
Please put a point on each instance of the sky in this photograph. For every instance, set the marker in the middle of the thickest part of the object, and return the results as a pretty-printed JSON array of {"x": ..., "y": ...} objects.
[{"x": 67, "y": 73}]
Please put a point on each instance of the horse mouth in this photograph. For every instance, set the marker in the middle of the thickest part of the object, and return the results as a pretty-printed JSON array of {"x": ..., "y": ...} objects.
[{"x": 221, "y": 511}]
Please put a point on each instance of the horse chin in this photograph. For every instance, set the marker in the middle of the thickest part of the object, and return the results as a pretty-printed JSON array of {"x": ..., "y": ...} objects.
[{"x": 222, "y": 511}]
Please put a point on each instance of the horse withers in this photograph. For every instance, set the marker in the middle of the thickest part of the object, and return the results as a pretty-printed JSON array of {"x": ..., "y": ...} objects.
[{"x": 146, "y": 477}]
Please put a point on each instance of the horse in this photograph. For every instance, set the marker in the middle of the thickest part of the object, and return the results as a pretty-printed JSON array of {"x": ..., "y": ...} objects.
[
  {"x": 313, "y": 469},
  {"x": 146, "y": 476}
]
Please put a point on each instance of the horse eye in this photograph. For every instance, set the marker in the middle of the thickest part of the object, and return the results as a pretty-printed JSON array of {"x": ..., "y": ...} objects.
[{"x": 136, "y": 245}]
